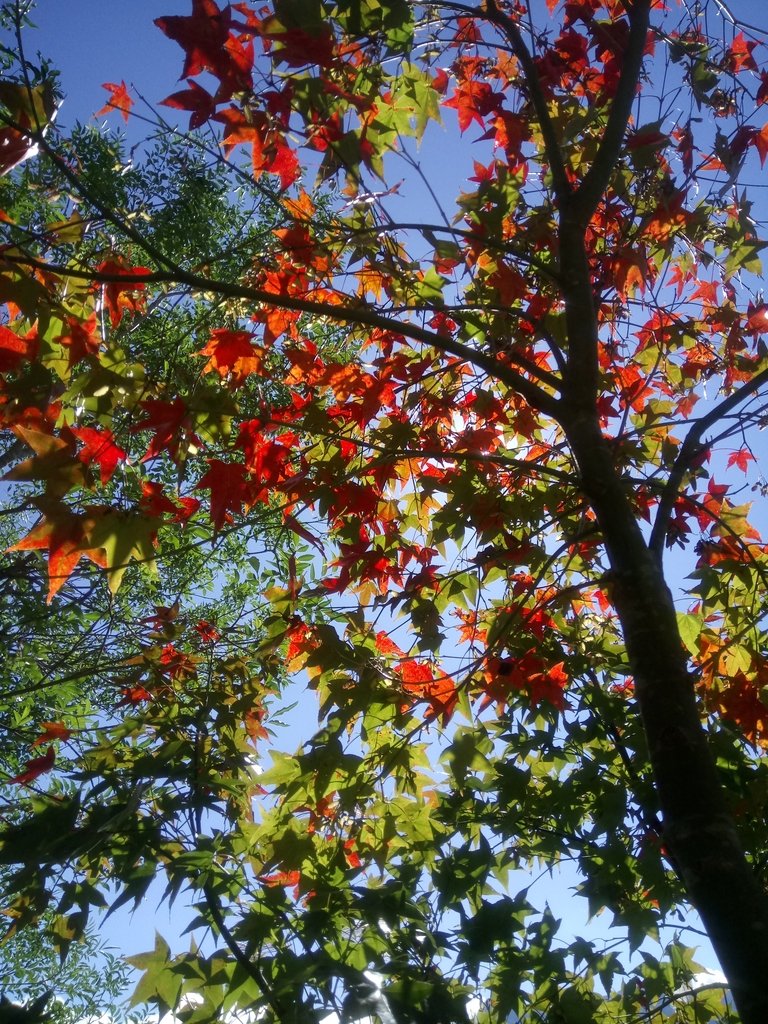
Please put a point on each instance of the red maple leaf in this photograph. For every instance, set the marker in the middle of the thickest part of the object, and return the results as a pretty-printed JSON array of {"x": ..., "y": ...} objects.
[
  {"x": 118, "y": 100},
  {"x": 201, "y": 35},
  {"x": 530, "y": 674},
  {"x": 133, "y": 695},
  {"x": 99, "y": 447},
  {"x": 196, "y": 99},
  {"x": 232, "y": 355},
  {"x": 230, "y": 487},
  {"x": 170, "y": 422},
  {"x": 52, "y": 731},
  {"x": 209, "y": 45},
  {"x": 741, "y": 459},
  {"x": 82, "y": 339},
  {"x": 440, "y": 694},
  {"x": 351, "y": 855},
  {"x": 36, "y": 767},
  {"x": 739, "y": 55},
  {"x": 207, "y": 632},
  {"x": 386, "y": 646},
  {"x": 64, "y": 534},
  {"x": 121, "y": 295},
  {"x": 175, "y": 663},
  {"x": 741, "y": 703},
  {"x": 155, "y": 502},
  {"x": 15, "y": 349},
  {"x": 302, "y": 640},
  {"x": 473, "y": 101},
  {"x": 285, "y": 878}
]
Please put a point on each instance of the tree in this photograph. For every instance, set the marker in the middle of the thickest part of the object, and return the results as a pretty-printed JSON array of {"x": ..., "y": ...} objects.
[
  {"x": 91, "y": 981},
  {"x": 475, "y": 482}
]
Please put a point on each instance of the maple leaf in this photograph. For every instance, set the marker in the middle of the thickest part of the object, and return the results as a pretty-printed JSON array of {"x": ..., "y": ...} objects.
[
  {"x": 281, "y": 878},
  {"x": 171, "y": 423},
  {"x": 207, "y": 632},
  {"x": 133, "y": 695},
  {"x": 119, "y": 100},
  {"x": 473, "y": 101},
  {"x": 739, "y": 55},
  {"x": 351, "y": 855},
  {"x": 36, "y": 767},
  {"x": 52, "y": 731},
  {"x": 82, "y": 339},
  {"x": 386, "y": 646},
  {"x": 64, "y": 535},
  {"x": 176, "y": 664},
  {"x": 232, "y": 355},
  {"x": 121, "y": 295},
  {"x": 293, "y": 524},
  {"x": 99, "y": 447},
  {"x": 740, "y": 703},
  {"x": 196, "y": 99},
  {"x": 15, "y": 349},
  {"x": 54, "y": 462},
  {"x": 123, "y": 537},
  {"x": 302, "y": 640},
  {"x": 253, "y": 721},
  {"x": 201, "y": 35},
  {"x": 440, "y": 693},
  {"x": 154, "y": 502},
  {"x": 741, "y": 459},
  {"x": 528, "y": 673},
  {"x": 230, "y": 487},
  {"x": 210, "y": 45}
]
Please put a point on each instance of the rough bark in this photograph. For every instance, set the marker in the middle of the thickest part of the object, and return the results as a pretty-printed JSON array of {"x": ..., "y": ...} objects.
[{"x": 699, "y": 831}]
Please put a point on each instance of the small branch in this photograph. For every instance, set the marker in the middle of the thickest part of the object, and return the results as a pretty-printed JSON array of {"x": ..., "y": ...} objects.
[
  {"x": 251, "y": 967},
  {"x": 689, "y": 450},
  {"x": 593, "y": 185},
  {"x": 511, "y": 30},
  {"x": 355, "y": 315}
]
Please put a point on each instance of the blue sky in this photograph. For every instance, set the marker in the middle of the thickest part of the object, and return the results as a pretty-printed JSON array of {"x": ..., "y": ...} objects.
[{"x": 95, "y": 41}]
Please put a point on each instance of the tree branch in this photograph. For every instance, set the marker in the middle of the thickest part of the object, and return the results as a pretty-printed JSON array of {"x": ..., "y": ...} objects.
[
  {"x": 356, "y": 315},
  {"x": 511, "y": 30},
  {"x": 586, "y": 197},
  {"x": 689, "y": 450}
]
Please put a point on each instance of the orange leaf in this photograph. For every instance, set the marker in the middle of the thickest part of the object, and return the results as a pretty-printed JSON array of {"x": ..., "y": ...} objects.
[
  {"x": 440, "y": 694},
  {"x": 119, "y": 295},
  {"x": 386, "y": 646},
  {"x": 232, "y": 355},
  {"x": 52, "y": 731},
  {"x": 119, "y": 100},
  {"x": 277, "y": 878},
  {"x": 64, "y": 534}
]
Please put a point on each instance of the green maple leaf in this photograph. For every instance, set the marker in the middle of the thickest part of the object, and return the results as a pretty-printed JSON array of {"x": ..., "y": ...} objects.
[
  {"x": 124, "y": 537},
  {"x": 157, "y": 983}
]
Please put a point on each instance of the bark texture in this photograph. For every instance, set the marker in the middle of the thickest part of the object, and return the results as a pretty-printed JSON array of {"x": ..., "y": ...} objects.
[{"x": 698, "y": 829}]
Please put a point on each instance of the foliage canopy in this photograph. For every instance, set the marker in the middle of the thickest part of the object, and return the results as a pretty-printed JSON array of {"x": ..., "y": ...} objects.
[{"x": 433, "y": 467}]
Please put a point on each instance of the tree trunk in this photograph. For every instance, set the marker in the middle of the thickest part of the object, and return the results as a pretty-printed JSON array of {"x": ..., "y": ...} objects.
[{"x": 698, "y": 828}]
